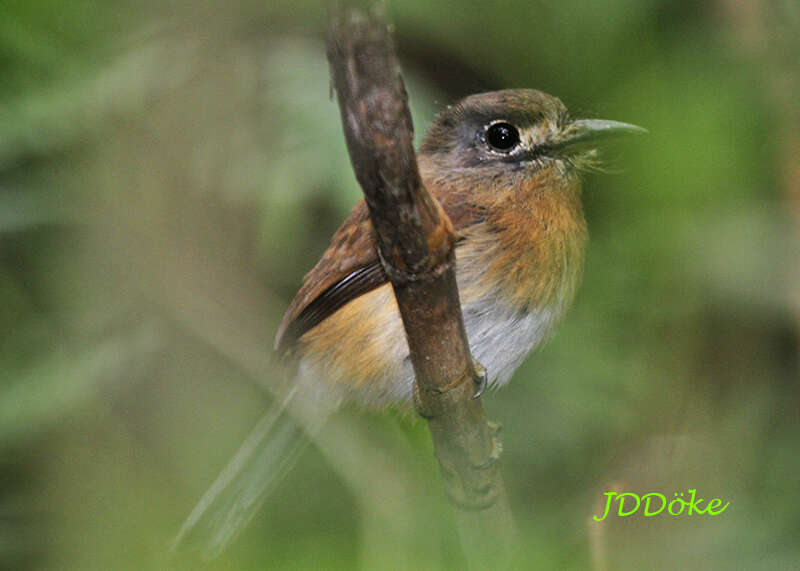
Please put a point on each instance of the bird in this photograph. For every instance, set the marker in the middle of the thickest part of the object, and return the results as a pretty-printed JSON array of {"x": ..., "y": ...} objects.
[{"x": 506, "y": 167}]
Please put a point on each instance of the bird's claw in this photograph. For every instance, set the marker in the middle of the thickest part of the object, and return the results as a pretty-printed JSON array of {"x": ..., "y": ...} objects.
[{"x": 481, "y": 378}]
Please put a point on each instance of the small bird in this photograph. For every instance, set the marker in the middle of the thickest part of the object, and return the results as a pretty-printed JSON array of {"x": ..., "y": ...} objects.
[{"x": 505, "y": 166}]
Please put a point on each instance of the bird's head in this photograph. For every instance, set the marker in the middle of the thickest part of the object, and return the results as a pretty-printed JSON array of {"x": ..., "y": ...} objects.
[{"x": 513, "y": 133}]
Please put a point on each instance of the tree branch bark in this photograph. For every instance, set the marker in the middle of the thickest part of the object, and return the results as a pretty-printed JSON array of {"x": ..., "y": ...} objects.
[{"x": 416, "y": 246}]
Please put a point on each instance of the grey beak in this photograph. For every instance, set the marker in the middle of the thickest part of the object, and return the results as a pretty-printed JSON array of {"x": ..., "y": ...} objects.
[{"x": 585, "y": 132}]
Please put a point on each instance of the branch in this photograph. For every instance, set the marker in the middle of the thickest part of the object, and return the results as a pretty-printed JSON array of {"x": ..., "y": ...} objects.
[{"x": 416, "y": 246}]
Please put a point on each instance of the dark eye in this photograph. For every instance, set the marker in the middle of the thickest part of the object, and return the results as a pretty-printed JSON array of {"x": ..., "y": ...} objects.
[{"x": 502, "y": 137}]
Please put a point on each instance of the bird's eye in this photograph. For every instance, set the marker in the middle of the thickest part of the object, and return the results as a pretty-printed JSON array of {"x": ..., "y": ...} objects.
[{"x": 502, "y": 137}]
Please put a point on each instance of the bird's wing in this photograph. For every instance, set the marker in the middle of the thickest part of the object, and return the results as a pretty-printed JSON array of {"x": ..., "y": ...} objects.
[{"x": 350, "y": 267}]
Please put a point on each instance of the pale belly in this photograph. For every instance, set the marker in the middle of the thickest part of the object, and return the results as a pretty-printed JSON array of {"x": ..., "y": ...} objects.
[{"x": 364, "y": 357}]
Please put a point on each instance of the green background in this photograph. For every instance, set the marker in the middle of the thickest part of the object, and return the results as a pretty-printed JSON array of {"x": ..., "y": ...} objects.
[{"x": 168, "y": 172}]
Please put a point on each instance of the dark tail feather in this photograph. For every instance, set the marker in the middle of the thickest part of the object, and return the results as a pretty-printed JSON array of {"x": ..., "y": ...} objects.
[{"x": 233, "y": 499}]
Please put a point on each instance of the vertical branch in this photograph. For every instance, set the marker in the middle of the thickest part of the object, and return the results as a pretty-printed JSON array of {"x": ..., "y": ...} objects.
[{"x": 416, "y": 246}]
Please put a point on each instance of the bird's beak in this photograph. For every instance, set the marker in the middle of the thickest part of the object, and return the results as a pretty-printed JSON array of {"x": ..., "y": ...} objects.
[{"x": 584, "y": 133}]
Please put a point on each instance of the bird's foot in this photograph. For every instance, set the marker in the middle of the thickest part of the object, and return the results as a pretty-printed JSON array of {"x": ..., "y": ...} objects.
[{"x": 481, "y": 378}]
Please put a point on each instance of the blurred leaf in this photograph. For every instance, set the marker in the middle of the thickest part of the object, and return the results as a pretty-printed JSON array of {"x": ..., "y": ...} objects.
[{"x": 62, "y": 382}]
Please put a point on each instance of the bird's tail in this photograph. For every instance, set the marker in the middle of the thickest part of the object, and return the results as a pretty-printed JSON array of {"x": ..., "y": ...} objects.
[{"x": 233, "y": 499}]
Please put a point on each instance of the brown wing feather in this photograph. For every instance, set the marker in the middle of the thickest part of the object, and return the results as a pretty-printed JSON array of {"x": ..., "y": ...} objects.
[{"x": 350, "y": 268}]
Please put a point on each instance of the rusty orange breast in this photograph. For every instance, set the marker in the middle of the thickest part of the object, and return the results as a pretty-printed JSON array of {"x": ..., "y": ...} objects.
[{"x": 532, "y": 241}]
